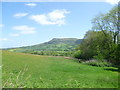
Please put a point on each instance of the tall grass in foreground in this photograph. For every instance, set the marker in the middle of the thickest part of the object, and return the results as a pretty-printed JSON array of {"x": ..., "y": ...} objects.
[{"x": 16, "y": 80}]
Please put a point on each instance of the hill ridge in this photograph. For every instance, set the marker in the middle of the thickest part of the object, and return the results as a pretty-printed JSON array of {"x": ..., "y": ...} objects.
[{"x": 55, "y": 44}]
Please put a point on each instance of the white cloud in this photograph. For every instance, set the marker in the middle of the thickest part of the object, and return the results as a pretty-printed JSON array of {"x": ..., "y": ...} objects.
[
  {"x": 2, "y": 25},
  {"x": 24, "y": 29},
  {"x": 31, "y": 4},
  {"x": 56, "y": 17},
  {"x": 57, "y": 14},
  {"x": 18, "y": 15},
  {"x": 3, "y": 39},
  {"x": 112, "y": 1},
  {"x": 15, "y": 35}
]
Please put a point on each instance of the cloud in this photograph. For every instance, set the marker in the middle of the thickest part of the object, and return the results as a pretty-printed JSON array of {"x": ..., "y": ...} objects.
[
  {"x": 2, "y": 25},
  {"x": 24, "y": 29},
  {"x": 31, "y": 4},
  {"x": 15, "y": 35},
  {"x": 56, "y": 17},
  {"x": 112, "y": 1},
  {"x": 57, "y": 14},
  {"x": 18, "y": 15},
  {"x": 3, "y": 39}
]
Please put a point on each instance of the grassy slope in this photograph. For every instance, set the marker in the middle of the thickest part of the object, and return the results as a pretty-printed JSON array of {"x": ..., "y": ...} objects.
[
  {"x": 25, "y": 70},
  {"x": 56, "y": 44}
]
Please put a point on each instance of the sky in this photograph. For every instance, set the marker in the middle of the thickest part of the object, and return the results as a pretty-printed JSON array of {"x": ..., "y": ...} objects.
[{"x": 30, "y": 23}]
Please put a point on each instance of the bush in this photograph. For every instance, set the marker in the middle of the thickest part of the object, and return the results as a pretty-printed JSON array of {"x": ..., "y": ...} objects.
[
  {"x": 99, "y": 57},
  {"x": 77, "y": 54},
  {"x": 114, "y": 54}
]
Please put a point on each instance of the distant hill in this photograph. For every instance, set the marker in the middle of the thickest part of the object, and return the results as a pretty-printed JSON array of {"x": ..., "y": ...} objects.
[{"x": 56, "y": 44}]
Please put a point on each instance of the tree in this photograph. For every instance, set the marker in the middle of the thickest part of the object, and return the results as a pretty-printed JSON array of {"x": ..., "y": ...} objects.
[
  {"x": 94, "y": 44},
  {"x": 108, "y": 22},
  {"x": 104, "y": 39}
]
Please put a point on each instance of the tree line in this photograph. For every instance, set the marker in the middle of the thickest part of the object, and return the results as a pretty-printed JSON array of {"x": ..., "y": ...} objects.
[{"x": 102, "y": 42}]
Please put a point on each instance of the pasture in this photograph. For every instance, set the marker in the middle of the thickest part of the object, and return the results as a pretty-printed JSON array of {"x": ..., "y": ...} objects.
[{"x": 21, "y": 70}]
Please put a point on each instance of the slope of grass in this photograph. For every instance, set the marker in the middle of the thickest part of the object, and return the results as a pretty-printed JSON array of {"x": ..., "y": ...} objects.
[
  {"x": 56, "y": 44},
  {"x": 33, "y": 71}
]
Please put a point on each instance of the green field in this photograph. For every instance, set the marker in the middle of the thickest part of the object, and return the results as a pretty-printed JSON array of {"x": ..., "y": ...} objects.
[{"x": 34, "y": 71}]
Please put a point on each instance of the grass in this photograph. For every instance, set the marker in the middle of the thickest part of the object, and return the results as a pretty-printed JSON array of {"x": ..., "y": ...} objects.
[{"x": 34, "y": 71}]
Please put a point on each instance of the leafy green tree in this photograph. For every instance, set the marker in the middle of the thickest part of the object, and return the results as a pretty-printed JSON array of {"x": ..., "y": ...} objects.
[
  {"x": 94, "y": 41},
  {"x": 103, "y": 42},
  {"x": 108, "y": 22}
]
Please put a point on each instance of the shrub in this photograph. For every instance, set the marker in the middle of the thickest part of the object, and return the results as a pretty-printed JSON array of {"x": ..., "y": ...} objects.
[
  {"x": 77, "y": 54},
  {"x": 99, "y": 57}
]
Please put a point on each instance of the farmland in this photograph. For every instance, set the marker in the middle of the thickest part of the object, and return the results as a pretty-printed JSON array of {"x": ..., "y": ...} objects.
[{"x": 34, "y": 71}]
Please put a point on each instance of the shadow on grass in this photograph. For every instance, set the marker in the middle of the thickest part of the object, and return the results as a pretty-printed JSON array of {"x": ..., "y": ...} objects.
[{"x": 112, "y": 69}]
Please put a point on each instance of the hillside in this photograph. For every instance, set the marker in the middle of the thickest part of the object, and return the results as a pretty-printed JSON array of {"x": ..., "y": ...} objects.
[{"x": 56, "y": 44}]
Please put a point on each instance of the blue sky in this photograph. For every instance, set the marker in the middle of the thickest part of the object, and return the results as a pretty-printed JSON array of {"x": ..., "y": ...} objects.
[{"x": 25, "y": 23}]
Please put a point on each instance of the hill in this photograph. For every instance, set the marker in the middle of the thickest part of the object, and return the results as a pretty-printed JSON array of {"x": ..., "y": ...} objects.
[{"x": 56, "y": 44}]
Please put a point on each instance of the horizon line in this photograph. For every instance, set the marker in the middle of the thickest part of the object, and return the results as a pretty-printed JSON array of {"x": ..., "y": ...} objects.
[{"x": 36, "y": 43}]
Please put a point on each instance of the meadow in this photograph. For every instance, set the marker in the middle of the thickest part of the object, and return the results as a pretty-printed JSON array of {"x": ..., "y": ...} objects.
[{"x": 21, "y": 70}]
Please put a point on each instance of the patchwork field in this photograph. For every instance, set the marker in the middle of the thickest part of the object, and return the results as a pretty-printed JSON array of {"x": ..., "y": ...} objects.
[{"x": 34, "y": 71}]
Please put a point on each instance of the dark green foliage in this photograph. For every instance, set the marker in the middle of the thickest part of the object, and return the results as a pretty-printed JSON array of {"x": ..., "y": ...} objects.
[
  {"x": 94, "y": 44},
  {"x": 77, "y": 54},
  {"x": 114, "y": 55}
]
